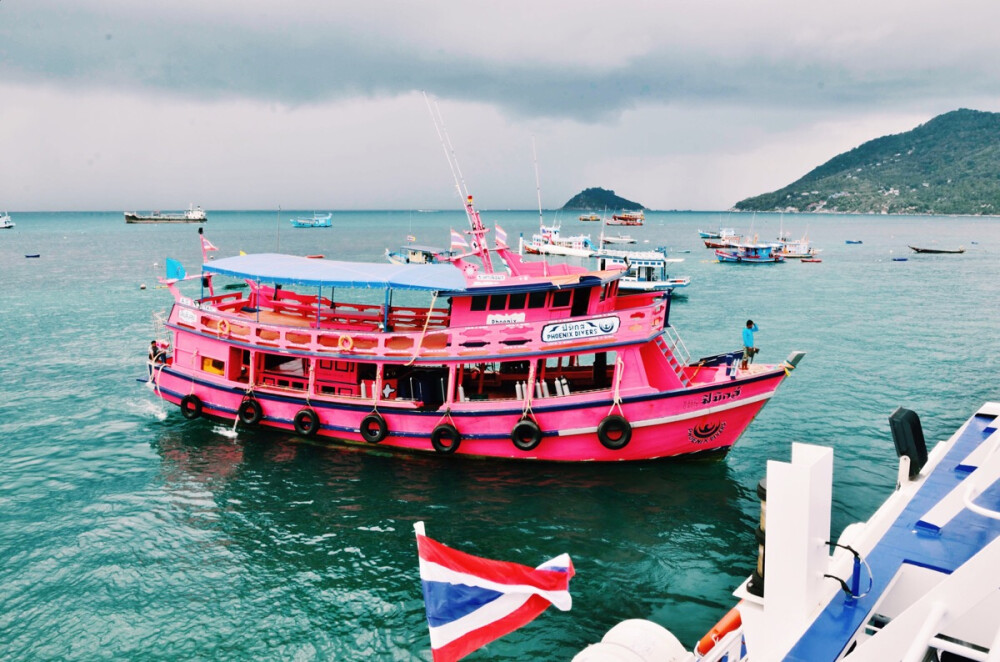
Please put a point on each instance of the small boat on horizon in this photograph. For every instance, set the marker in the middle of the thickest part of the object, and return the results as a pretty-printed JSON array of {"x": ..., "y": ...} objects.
[
  {"x": 960, "y": 249},
  {"x": 634, "y": 218},
  {"x": 317, "y": 221},
  {"x": 853, "y": 241},
  {"x": 5, "y": 222},
  {"x": 747, "y": 253},
  {"x": 192, "y": 215},
  {"x": 590, "y": 218}
]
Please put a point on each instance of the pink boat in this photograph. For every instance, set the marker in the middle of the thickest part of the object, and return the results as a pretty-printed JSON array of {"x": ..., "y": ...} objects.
[{"x": 534, "y": 362}]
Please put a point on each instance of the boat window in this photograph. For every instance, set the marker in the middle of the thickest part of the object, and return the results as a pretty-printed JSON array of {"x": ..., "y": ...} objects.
[
  {"x": 581, "y": 301},
  {"x": 498, "y": 302},
  {"x": 536, "y": 300},
  {"x": 479, "y": 302},
  {"x": 214, "y": 366},
  {"x": 560, "y": 298},
  {"x": 517, "y": 301}
]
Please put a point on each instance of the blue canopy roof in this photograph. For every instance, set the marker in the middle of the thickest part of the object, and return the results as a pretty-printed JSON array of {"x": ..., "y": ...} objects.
[{"x": 296, "y": 270}]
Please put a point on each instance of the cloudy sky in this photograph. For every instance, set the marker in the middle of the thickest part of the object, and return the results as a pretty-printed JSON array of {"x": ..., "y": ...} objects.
[{"x": 317, "y": 104}]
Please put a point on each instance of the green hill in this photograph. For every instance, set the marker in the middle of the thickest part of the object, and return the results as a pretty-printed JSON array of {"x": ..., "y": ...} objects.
[
  {"x": 598, "y": 199},
  {"x": 950, "y": 165}
]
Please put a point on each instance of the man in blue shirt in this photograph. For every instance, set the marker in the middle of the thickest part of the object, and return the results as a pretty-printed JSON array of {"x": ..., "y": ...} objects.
[{"x": 748, "y": 348}]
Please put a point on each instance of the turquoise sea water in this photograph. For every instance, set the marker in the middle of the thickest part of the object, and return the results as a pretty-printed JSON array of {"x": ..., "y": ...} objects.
[{"x": 128, "y": 532}]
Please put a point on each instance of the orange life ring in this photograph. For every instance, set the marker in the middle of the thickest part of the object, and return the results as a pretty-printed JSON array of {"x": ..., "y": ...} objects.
[
  {"x": 726, "y": 624},
  {"x": 223, "y": 328},
  {"x": 345, "y": 343}
]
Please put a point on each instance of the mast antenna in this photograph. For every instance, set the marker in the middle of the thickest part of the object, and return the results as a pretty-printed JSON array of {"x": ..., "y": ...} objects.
[{"x": 538, "y": 185}]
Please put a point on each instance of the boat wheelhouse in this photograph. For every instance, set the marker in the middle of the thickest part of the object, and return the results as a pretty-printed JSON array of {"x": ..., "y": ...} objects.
[
  {"x": 417, "y": 254},
  {"x": 542, "y": 362}
]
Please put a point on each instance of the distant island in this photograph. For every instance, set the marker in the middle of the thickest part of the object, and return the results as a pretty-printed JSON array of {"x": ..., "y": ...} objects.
[
  {"x": 599, "y": 199},
  {"x": 950, "y": 165}
]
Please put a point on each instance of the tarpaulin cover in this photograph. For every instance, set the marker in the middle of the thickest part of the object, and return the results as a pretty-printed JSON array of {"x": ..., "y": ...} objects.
[{"x": 296, "y": 270}]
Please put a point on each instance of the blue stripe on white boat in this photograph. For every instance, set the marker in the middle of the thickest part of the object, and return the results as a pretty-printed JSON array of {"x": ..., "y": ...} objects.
[{"x": 944, "y": 550}]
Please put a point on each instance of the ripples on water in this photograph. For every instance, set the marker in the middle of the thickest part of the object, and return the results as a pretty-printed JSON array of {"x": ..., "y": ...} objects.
[{"x": 129, "y": 532}]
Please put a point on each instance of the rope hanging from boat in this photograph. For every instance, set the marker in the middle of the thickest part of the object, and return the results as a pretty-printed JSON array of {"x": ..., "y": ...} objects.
[
  {"x": 619, "y": 371},
  {"x": 423, "y": 332},
  {"x": 529, "y": 390},
  {"x": 194, "y": 359}
]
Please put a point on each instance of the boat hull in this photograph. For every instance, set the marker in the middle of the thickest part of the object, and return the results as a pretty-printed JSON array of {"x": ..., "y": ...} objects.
[
  {"x": 705, "y": 419},
  {"x": 134, "y": 218}
]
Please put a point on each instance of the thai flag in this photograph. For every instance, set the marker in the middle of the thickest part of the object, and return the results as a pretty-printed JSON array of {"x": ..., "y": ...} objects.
[
  {"x": 501, "y": 236},
  {"x": 472, "y": 601},
  {"x": 458, "y": 241},
  {"x": 206, "y": 246}
]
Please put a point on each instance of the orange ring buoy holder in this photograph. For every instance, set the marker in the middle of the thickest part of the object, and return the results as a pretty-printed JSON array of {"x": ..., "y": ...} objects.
[
  {"x": 726, "y": 624},
  {"x": 345, "y": 343},
  {"x": 223, "y": 328}
]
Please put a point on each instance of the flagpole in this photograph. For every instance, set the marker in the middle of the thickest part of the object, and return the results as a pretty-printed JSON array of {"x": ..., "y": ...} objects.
[
  {"x": 418, "y": 528},
  {"x": 277, "y": 231}
]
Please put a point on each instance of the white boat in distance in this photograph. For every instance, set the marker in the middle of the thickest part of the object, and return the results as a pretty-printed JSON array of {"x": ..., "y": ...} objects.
[
  {"x": 548, "y": 241},
  {"x": 5, "y": 222},
  {"x": 192, "y": 215},
  {"x": 646, "y": 271}
]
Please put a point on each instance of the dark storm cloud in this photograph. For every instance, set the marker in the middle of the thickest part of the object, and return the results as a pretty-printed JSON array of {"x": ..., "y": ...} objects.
[{"x": 212, "y": 57}]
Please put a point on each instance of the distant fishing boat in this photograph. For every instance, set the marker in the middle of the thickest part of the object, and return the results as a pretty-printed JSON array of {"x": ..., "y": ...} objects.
[
  {"x": 317, "y": 221},
  {"x": 726, "y": 237},
  {"x": 853, "y": 241},
  {"x": 960, "y": 249},
  {"x": 628, "y": 218},
  {"x": 192, "y": 215},
  {"x": 590, "y": 217},
  {"x": 749, "y": 254},
  {"x": 5, "y": 222}
]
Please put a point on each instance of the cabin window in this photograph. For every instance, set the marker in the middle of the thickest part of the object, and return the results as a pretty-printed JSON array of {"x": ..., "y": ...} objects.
[
  {"x": 517, "y": 301},
  {"x": 536, "y": 300},
  {"x": 581, "y": 301},
  {"x": 498, "y": 302},
  {"x": 561, "y": 298},
  {"x": 578, "y": 372},
  {"x": 214, "y": 366},
  {"x": 478, "y": 302},
  {"x": 491, "y": 380}
]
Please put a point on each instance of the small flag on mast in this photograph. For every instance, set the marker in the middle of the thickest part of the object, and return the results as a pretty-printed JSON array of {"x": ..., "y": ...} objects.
[
  {"x": 501, "y": 236},
  {"x": 472, "y": 601},
  {"x": 458, "y": 241}
]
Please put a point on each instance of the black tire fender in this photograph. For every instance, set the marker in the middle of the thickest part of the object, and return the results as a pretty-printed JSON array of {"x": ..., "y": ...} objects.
[
  {"x": 191, "y": 407},
  {"x": 614, "y": 432},
  {"x": 373, "y": 428},
  {"x": 526, "y": 435},
  {"x": 446, "y": 438},
  {"x": 306, "y": 422},
  {"x": 250, "y": 412}
]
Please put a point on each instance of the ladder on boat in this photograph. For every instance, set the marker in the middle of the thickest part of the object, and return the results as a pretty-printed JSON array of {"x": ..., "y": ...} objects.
[{"x": 676, "y": 353}]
